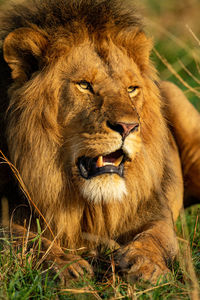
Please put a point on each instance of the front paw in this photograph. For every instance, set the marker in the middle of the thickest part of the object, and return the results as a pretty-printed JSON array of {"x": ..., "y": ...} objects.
[
  {"x": 69, "y": 266},
  {"x": 137, "y": 263}
]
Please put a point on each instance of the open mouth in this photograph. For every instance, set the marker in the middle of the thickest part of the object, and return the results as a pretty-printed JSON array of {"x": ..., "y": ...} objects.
[{"x": 108, "y": 164}]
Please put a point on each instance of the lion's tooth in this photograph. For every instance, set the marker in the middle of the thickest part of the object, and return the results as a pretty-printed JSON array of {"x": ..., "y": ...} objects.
[
  {"x": 99, "y": 163},
  {"x": 108, "y": 164},
  {"x": 118, "y": 161}
]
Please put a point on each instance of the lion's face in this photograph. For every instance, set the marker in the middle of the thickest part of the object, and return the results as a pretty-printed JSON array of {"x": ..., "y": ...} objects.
[
  {"x": 100, "y": 107},
  {"x": 91, "y": 114}
]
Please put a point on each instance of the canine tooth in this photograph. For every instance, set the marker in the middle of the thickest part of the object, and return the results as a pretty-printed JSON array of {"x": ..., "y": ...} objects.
[
  {"x": 118, "y": 161},
  {"x": 99, "y": 162}
]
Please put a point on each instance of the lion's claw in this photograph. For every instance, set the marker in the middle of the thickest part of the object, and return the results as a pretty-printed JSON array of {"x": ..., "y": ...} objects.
[{"x": 70, "y": 266}]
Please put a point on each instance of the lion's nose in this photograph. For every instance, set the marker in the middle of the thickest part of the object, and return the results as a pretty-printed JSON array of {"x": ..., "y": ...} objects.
[{"x": 123, "y": 128}]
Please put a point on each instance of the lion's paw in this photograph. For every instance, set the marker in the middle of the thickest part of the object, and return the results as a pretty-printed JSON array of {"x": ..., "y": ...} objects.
[
  {"x": 68, "y": 266},
  {"x": 137, "y": 264}
]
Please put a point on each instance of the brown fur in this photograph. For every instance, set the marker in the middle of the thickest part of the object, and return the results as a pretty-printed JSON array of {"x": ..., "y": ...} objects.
[{"x": 50, "y": 123}]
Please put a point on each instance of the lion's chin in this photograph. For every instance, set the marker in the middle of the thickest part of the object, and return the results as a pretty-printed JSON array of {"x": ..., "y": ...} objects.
[{"x": 104, "y": 189}]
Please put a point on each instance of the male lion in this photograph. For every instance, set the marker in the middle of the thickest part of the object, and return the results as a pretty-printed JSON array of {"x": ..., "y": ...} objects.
[{"x": 84, "y": 121}]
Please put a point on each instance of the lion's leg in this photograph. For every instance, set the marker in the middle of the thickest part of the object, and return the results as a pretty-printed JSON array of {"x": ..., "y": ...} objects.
[
  {"x": 185, "y": 123},
  {"x": 151, "y": 252},
  {"x": 67, "y": 265}
]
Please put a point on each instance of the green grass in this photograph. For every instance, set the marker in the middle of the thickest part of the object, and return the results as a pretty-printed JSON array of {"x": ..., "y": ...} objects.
[{"x": 20, "y": 279}]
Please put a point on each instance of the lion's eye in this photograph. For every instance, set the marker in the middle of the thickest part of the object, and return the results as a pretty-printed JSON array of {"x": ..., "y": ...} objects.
[
  {"x": 133, "y": 90},
  {"x": 84, "y": 86}
]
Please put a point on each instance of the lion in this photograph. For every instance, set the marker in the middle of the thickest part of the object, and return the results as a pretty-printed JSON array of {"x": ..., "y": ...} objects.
[{"x": 106, "y": 150}]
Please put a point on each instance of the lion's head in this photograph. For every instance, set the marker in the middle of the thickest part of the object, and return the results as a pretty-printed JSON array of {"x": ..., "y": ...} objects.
[{"x": 84, "y": 122}]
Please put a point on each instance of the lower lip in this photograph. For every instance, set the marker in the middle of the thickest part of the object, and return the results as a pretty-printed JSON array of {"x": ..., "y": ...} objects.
[{"x": 108, "y": 169}]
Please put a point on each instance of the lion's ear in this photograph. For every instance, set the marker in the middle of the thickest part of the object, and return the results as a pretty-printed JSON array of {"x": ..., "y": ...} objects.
[
  {"x": 23, "y": 49},
  {"x": 141, "y": 49}
]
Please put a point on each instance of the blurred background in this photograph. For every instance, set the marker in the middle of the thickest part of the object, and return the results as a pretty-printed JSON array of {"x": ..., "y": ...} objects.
[{"x": 175, "y": 28}]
